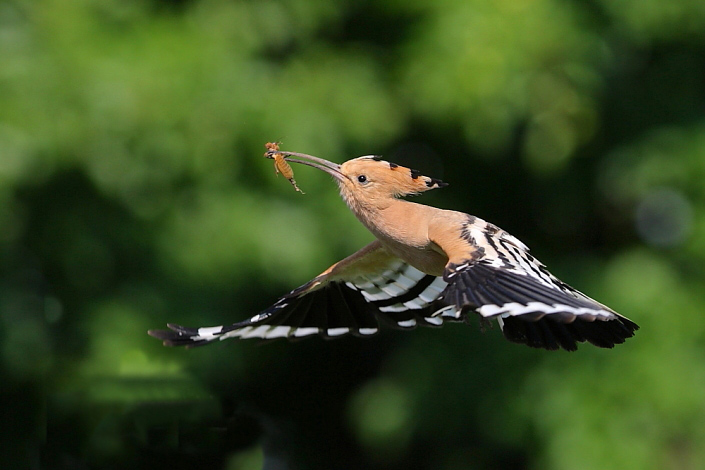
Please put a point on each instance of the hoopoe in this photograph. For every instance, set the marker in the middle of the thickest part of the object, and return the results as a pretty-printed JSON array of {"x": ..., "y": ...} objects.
[{"x": 426, "y": 266}]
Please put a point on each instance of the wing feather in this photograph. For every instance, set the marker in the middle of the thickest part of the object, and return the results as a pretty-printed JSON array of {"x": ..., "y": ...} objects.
[
  {"x": 354, "y": 296},
  {"x": 500, "y": 280}
]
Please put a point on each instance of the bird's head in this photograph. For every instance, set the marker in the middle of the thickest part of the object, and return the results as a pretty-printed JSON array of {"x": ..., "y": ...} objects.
[{"x": 369, "y": 180}]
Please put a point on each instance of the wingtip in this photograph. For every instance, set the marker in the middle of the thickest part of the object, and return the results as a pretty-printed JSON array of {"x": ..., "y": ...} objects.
[
  {"x": 163, "y": 335},
  {"x": 159, "y": 334},
  {"x": 176, "y": 335}
]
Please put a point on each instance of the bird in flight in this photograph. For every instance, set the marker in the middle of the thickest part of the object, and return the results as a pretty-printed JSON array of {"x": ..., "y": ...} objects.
[{"x": 426, "y": 266}]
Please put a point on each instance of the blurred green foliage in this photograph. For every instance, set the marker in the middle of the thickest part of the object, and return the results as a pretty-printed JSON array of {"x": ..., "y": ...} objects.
[{"x": 133, "y": 192}]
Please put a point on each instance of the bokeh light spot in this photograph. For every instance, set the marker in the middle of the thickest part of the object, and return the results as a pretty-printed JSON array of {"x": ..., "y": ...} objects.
[{"x": 664, "y": 217}]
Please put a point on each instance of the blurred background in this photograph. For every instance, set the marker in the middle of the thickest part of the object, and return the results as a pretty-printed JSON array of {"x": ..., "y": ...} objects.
[{"x": 133, "y": 192}]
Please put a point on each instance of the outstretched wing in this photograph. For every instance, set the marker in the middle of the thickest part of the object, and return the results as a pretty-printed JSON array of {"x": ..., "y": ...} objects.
[
  {"x": 354, "y": 296},
  {"x": 502, "y": 280}
]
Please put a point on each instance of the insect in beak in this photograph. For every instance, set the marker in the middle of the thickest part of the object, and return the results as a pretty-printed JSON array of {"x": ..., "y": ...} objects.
[
  {"x": 280, "y": 164},
  {"x": 331, "y": 168}
]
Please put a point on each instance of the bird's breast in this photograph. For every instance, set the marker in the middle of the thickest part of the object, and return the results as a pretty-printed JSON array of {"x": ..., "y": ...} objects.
[{"x": 402, "y": 228}]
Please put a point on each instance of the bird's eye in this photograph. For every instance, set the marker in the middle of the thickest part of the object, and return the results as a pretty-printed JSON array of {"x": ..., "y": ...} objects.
[{"x": 362, "y": 178}]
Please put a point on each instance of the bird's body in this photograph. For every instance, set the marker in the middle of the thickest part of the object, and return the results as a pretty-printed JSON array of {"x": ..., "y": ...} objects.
[
  {"x": 403, "y": 229},
  {"x": 426, "y": 265}
]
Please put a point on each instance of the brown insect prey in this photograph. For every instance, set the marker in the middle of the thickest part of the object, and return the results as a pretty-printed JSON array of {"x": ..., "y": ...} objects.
[{"x": 280, "y": 164}]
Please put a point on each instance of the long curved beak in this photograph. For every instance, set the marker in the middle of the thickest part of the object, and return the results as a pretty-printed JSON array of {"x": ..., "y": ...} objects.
[{"x": 331, "y": 168}]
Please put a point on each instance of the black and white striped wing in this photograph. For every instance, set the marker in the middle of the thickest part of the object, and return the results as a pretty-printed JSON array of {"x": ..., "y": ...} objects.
[
  {"x": 356, "y": 296},
  {"x": 504, "y": 282}
]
